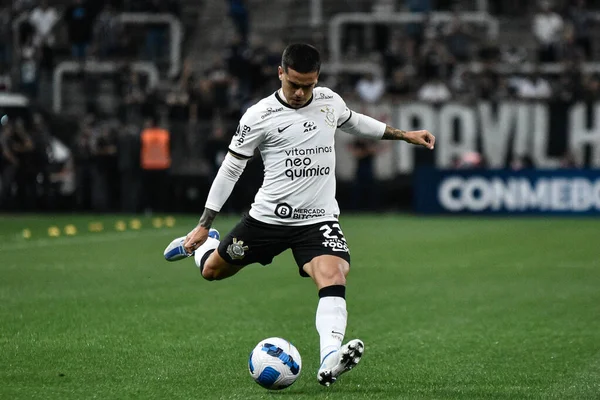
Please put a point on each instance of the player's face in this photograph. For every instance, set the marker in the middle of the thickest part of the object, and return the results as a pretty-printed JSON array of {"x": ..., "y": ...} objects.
[{"x": 297, "y": 87}]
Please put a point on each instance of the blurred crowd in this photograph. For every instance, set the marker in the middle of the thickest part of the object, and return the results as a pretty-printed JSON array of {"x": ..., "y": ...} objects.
[
  {"x": 99, "y": 165},
  {"x": 458, "y": 60},
  {"x": 36, "y": 35},
  {"x": 27, "y": 164},
  {"x": 428, "y": 61}
]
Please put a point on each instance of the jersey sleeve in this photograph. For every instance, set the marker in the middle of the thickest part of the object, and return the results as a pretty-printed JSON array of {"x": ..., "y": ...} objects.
[
  {"x": 358, "y": 124},
  {"x": 248, "y": 136},
  {"x": 346, "y": 112}
]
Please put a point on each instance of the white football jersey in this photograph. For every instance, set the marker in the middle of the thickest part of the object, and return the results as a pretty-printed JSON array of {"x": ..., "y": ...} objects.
[{"x": 297, "y": 148}]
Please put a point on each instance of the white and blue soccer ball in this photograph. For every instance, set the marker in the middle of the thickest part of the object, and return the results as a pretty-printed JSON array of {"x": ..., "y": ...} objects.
[{"x": 275, "y": 363}]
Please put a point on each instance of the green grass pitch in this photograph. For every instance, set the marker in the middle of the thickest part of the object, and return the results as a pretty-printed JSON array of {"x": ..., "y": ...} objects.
[{"x": 449, "y": 308}]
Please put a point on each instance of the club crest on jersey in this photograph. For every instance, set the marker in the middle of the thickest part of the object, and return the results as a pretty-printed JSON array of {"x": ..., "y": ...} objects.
[
  {"x": 237, "y": 250},
  {"x": 329, "y": 116}
]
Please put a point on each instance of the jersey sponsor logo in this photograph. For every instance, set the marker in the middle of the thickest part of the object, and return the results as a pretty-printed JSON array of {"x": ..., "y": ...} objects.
[
  {"x": 302, "y": 166},
  {"x": 309, "y": 126},
  {"x": 269, "y": 111},
  {"x": 329, "y": 115},
  {"x": 333, "y": 238},
  {"x": 323, "y": 96},
  {"x": 237, "y": 250},
  {"x": 283, "y": 210},
  {"x": 308, "y": 152},
  {"x": 240, "y": 134},
  {"x": 308, "y": 213},
  {"x": 284, "y": 128}
]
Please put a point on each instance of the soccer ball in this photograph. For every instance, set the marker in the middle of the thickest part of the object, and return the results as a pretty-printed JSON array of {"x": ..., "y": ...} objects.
[{"x": 275, "y": 363}]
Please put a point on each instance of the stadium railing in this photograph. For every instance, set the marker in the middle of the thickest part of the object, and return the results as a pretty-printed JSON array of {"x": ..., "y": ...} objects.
[
  {"x": 175, "y": 34},
  {"x": 339, "y": 20},
  {"x": 65, "y": 67},
  {"x": 317, "y": 17},
  {"x": 359, "y": 67},
  {"x": 523, "y": 68}
]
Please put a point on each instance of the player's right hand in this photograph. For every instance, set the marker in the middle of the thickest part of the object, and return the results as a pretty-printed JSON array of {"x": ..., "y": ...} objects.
[
  {"x": 421, "y": 138},
  {"x": 195, "y": 239}
]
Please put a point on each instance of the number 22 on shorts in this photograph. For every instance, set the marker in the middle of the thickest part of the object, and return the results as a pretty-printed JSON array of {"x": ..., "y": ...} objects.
[{"x": 332, "y": 240}]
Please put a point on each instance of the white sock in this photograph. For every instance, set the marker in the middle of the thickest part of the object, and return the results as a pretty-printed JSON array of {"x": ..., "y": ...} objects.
[
  {"x": 331, "y": 323},
  {"x": 210, "y": 244}
]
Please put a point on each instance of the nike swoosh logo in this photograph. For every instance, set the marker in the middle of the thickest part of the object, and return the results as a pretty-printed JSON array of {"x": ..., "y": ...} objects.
[
  {"x": 338, "y": 333},
  {"x": 283, "y": 129}
]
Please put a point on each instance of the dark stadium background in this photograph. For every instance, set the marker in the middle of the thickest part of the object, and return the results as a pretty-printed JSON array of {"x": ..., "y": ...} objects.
[
  {"x": 194, "y": 67},
  {"x": 496, "y": 299}
]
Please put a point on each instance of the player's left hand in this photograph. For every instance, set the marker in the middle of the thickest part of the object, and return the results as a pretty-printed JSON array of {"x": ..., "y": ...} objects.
[
  {"x": 195, "y": 238},
  {"x": 420, "y": 138}
]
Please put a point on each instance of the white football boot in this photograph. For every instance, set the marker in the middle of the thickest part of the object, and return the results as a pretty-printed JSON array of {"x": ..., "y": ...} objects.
[
  {"x": 337, "y": 362},
  {"x": 175, "y": 250}
]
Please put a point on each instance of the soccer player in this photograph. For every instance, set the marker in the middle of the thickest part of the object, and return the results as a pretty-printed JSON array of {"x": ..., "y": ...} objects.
[{"x": 295, "y": 208}]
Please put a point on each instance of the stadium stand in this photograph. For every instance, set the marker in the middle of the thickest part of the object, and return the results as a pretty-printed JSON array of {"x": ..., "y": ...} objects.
[{"x": 95, "y": 72}]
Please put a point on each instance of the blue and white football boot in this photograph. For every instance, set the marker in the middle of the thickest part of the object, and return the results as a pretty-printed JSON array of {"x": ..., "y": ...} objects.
[
  {"x": 337, "y": 362},
  {"x": 175, "y": 250}
]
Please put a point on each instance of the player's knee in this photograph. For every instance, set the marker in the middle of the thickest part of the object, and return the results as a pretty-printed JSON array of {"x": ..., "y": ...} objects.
[
  {"x": 338, "y": 276},
  {"x": 345, "y": 269},
  {"x": 215, "y": 269},
  {"x": 210, "y": 268},
  {"x": 210, "y": 271},
  {"x": 210, "y": 274},
  {"x": 326, "y": 272}
]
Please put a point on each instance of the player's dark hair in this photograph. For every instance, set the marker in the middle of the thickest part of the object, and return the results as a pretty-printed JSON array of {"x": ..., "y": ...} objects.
[{"x": 301, "y": 57}]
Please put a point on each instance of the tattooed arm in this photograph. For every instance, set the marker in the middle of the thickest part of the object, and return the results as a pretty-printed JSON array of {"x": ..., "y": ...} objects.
[
  {"x": 199, "y": 234},
  {"x": 421, "y": 138},
  {"x": 368, "y": 127},
  {"x": 207, "y": 218},
  {"x": 393, "y": 134}
]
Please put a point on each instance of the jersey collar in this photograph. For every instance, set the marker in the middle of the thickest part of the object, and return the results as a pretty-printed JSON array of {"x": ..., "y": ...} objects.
[{"x": 287, "y": 105}]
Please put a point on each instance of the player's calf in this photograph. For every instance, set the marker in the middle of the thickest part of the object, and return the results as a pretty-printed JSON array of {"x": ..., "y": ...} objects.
[
  {"x": 215, "y": 268},
  {"x": 212, "y": 266}
]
